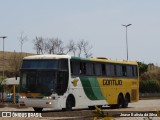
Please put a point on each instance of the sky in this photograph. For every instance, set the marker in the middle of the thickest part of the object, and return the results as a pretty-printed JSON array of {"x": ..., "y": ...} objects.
[{"x": 97, "y": 21}]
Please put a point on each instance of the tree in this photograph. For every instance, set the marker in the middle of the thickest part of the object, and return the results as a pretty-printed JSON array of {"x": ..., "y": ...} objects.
[
  {"x": 142, "y": 67},
  {"x": 39, "y": 45},
  {"x": 54, "y": 46},
  {"x": 83, "y": 46},
  {"x": 15, "y": 61},
  {"x": 2, "y": 85},
  {"x": 22, "y": 40},
  {"x": 86, "y": 49},
  {"x": 2, "y": 81},
  {"x": 80, "y": 47},
  {"x": 71, "y": 47}
]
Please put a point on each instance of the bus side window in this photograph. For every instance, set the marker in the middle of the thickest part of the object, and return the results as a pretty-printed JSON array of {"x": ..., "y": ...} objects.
[
  {"x": 108, "y": 72},
  {"x": 75, "y": 67},
  {"x": 98, "y": 69},
  {"x": 111, "y": 70},
  {"x": 119, "y": 70},
  {"x": 103, "y": 69},
  {"x": 89, "y": 68},
  {"x": 134, "y": 70},
  {"x": 82, "y": 68},
  {"x": 129, "y": 71},
  {"x": 124, "y": 70}
]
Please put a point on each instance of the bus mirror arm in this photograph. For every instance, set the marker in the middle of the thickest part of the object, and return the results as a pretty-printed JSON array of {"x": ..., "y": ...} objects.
[{"x": 16, "y": 76}]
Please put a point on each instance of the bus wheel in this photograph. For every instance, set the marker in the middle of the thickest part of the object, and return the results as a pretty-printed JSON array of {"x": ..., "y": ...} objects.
[
  {"x": 126, "y": 101},
  {"x": 91, "y": 107},
  {"x": 70, "y": 102},
  {"x": 113, "y": 106},
  {"x": 120, "y": 101},
  {"x": 38, "y": 109}
]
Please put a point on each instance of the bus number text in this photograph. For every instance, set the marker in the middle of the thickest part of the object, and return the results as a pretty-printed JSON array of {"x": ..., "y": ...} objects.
[{"x": 112, "y": 82}]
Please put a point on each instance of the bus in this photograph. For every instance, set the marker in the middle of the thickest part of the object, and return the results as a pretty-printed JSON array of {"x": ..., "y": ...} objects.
[{"x": 66, "y": 82}]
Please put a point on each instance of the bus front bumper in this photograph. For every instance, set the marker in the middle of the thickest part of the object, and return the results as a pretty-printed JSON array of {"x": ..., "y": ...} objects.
[{"x": 39, "y": 103}]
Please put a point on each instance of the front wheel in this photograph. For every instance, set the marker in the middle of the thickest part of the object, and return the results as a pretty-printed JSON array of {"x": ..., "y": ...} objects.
[
  {"x": 69, "y": 103},
  {"x": 38, "y": 109},
  {"x": 91, "y": 107}
]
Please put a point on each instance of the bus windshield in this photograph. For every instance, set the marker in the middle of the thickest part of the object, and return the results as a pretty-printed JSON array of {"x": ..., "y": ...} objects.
[
  {"x": 38, "y": 82},
  {"x": 44, "y": 76}
]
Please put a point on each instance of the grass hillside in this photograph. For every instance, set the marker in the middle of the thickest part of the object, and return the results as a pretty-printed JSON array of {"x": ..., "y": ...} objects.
[
  {"x": 12, "y": 61},
  {"x": 9, "y": 54}
]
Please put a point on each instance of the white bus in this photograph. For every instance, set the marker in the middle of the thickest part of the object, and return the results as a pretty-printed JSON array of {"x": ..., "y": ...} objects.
[{"x": 64, "y": 82}]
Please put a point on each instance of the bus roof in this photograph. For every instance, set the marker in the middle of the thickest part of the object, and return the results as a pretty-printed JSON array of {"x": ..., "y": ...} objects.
[
  {"x": 106, "y": 60},
  {"x": 53, "y": 56},
  {"x": 45, "y": 56}
]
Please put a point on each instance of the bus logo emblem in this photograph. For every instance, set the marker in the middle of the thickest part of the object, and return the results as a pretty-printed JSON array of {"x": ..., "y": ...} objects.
[{"x": 74, "y": 82}]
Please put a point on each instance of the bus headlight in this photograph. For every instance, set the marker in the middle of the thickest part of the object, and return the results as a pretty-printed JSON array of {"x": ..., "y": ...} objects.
[
  {"x": 22, "y": 97},
  {"x": 48, "y": 97}
]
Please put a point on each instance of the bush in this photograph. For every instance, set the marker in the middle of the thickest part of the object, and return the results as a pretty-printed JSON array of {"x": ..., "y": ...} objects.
[
  {"x": 149, "y": 86},
  {"x": 151, "y": 75}
]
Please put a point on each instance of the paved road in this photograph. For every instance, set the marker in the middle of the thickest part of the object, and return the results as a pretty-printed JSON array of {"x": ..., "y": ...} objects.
[
  {"x": 146, "y": 103},
  {"x": 141, "y": 106}
]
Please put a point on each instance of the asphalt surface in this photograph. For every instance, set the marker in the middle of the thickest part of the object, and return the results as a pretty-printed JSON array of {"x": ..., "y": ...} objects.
[{"x": 138, "y": 109}]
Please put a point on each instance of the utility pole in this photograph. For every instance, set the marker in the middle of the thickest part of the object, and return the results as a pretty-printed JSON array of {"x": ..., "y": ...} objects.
[{"x": 126, "y": 39}]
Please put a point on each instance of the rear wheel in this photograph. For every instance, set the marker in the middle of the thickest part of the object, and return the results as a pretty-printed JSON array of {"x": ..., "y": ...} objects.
[
  {"x": 113, "y": 106},
  {"x": 120, "y": 101},
  {"x": 38, "y": 109},
  {"x": 126, "y": 101}
]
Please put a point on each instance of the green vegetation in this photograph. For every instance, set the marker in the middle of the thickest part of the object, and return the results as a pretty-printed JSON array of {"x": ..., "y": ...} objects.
[
  {"x": 142, "y": 67},
  {"x": 149, "y": 78},
  {"x": 149, "y": 86},
  {"x": 2, "y": 81}
]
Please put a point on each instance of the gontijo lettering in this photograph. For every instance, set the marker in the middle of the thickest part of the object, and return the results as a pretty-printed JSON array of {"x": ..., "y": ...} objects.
[{"x": 112, "y": 82}]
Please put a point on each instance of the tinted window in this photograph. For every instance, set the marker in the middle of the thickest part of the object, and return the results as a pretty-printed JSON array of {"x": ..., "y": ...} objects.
[
  {"x": 124, "y": 70},
  {"x": 132, "y": 71},
  {"x": 129, "y": 71},
  {"x": 110, "y": 69},
  {"x": 135, "y": 71},
  {"x": 37, "y": 64},
  {"x": 82, "y": 68},
  {"x": 38, "y": 82},
  {"x": 103, "y": 69},
  {"x": 63, "y": 64},
  {"x": 98, "y": 69},
  {"x": 75, "y": 67},
  {"x": 119, "y": 70},
  {"x": 89, "y": 69}
]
